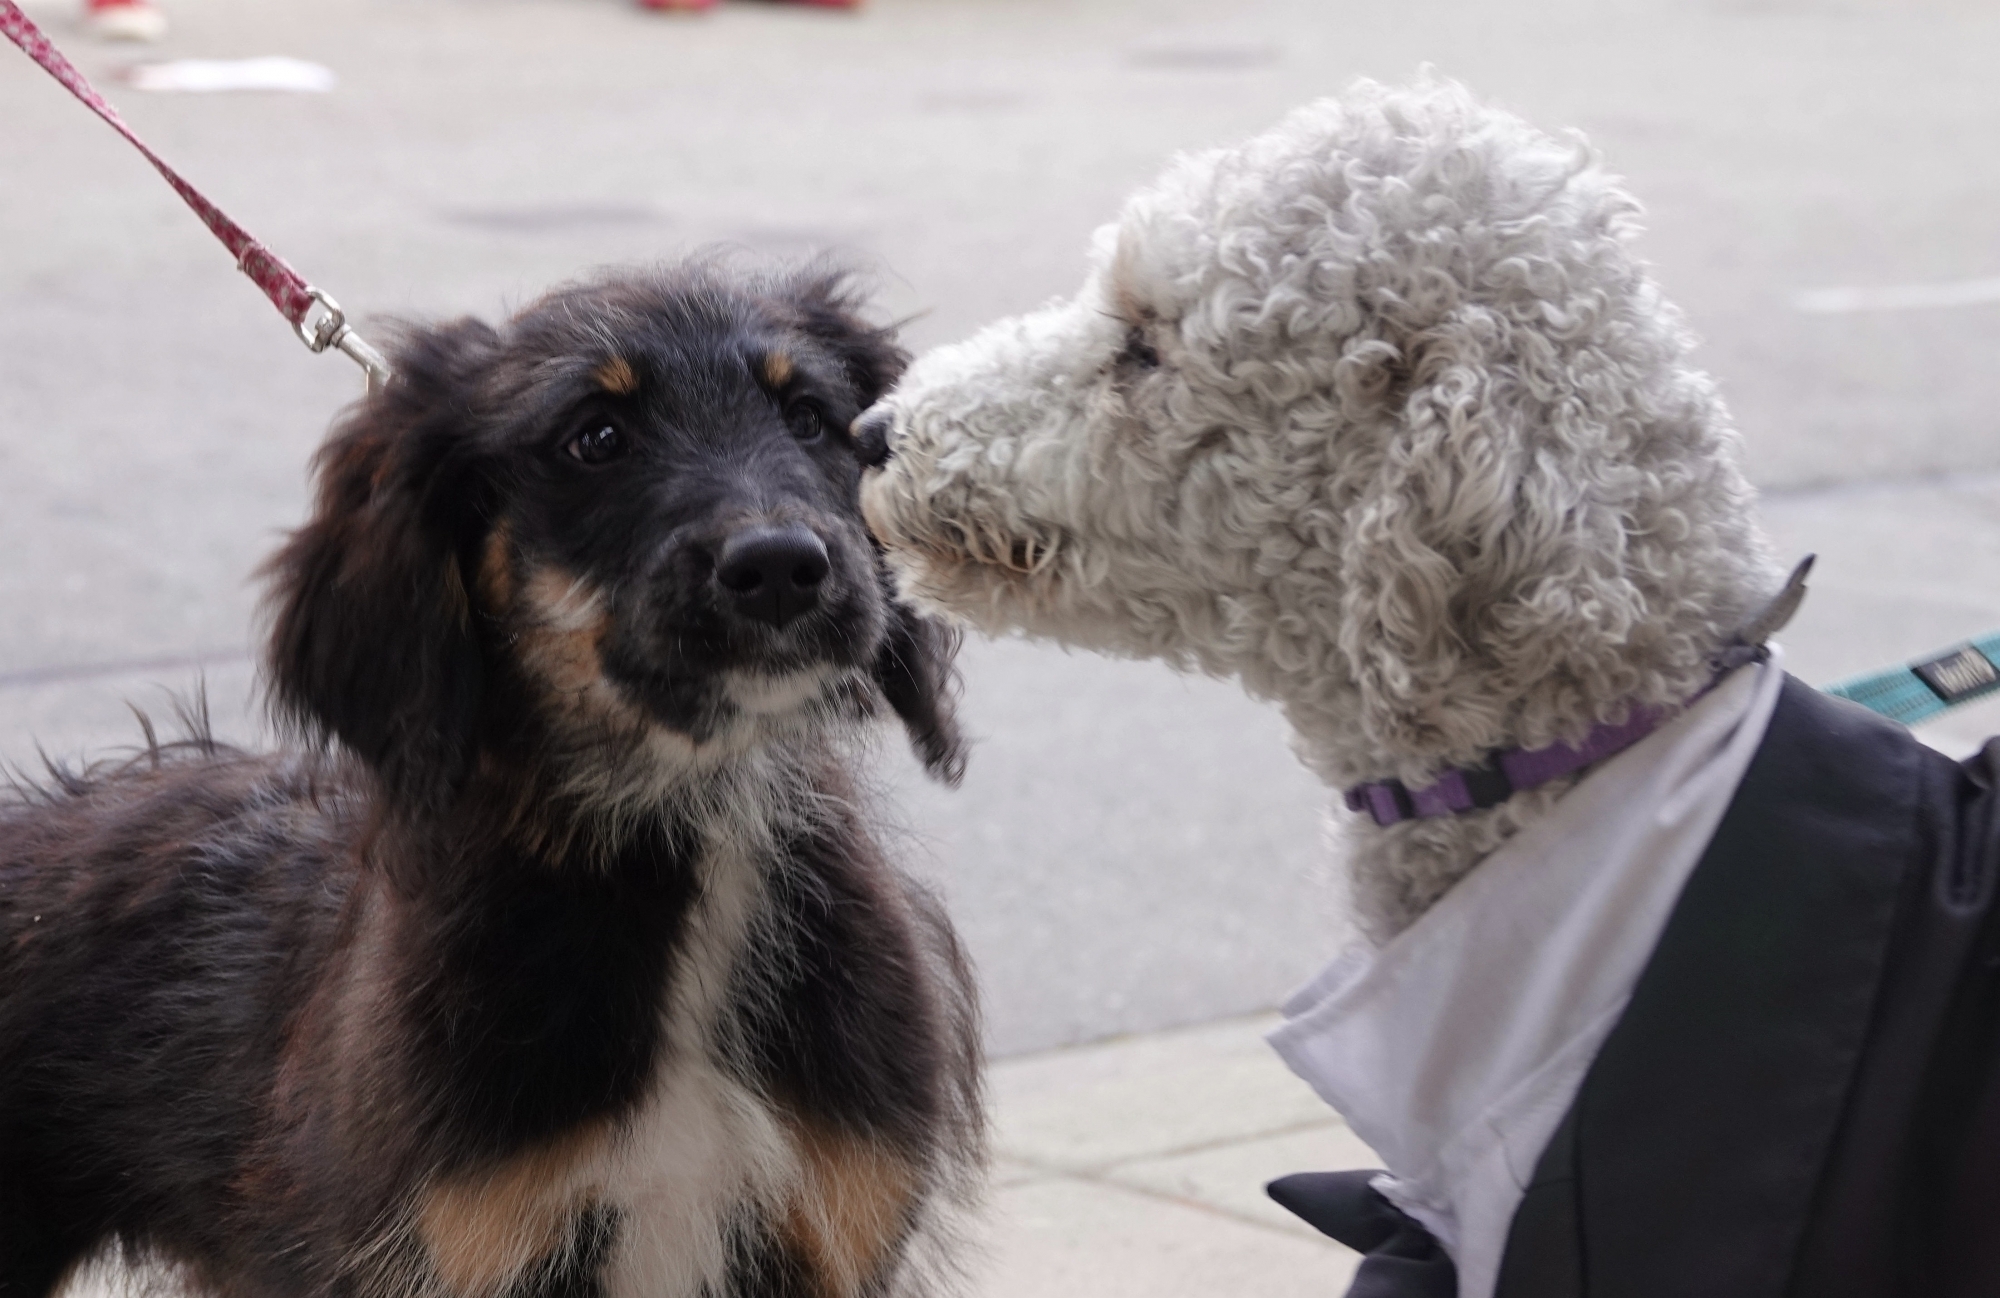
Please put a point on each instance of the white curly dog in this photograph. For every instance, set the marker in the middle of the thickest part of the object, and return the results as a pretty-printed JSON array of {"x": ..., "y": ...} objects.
[
  {"x": 1668, "y": 984},
  {"x": 1377, "y": 413}
]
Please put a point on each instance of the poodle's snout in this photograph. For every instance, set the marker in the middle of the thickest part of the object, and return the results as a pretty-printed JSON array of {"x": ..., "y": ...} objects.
[{"x": 870, "y": 431}]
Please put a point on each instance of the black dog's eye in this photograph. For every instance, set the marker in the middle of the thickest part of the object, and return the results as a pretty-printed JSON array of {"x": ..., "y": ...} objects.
[
  {"x": 598, "y": 445},
  {"x": 1138, "y": 351},
  {"x": 808, "y": 421}
]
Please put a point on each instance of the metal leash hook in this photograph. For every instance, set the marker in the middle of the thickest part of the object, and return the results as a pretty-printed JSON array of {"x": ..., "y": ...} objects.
[{"x": 325, "y": 325}]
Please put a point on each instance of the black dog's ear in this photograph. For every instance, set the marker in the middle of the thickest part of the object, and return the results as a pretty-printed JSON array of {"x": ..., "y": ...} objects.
[
  {"x": 372, "y": 632},
  {"x": 914, "y": 669},
  {"x": 829, "y": 307},
  {"x": 914, "y": 666}
]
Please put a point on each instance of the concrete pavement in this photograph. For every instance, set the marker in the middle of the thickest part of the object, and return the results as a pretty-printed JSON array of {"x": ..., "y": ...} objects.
[{"x": 1134, "y": 1168}]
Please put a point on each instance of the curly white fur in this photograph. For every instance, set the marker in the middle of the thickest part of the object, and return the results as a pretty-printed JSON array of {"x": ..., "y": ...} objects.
[{"x": 1377, "y": 413}]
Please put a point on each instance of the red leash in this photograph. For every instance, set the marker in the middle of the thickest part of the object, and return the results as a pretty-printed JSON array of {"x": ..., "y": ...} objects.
[{"x": 315, "y": 317}]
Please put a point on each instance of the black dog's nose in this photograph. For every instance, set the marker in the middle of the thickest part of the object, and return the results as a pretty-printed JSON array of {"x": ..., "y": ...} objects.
[
  {"x": 772, "y": 573},
  {"x": 870, "y": 430}
]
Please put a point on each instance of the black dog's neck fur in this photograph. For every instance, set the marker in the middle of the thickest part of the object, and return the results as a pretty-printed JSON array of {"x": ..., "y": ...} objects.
[
  {"x": 540, "y": 938},
  {"x": 535, "y": 995}
]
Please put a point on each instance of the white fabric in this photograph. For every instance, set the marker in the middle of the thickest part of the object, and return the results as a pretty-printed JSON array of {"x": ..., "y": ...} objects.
[{"x": 1456, "y": 1049}]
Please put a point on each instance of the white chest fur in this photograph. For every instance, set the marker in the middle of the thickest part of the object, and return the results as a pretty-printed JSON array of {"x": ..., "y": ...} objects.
[{"x": 702, "y": 1147}]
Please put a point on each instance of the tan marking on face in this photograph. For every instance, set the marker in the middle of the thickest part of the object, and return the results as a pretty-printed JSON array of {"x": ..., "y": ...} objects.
[
  {"x": 617, "y": 377},
  {"x": 565, "y": 623},
  {"x": 483, "y": 1228},
  {"x": 853, "y": 1208},
  {"x": 496, "y": 568},
  {"x": 560, "y": 625},
  {"x": 777, "y": 369},
  {"x": 455, "y": 601}
]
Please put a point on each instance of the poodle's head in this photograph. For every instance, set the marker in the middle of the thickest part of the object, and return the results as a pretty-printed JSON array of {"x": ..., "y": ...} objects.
[{"x": 1376, "y": 412}]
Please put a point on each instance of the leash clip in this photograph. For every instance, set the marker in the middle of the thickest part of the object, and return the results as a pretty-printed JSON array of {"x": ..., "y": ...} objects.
[
  {"x": 1747, "y": 645},
  {"x": 325, "y": 325}
]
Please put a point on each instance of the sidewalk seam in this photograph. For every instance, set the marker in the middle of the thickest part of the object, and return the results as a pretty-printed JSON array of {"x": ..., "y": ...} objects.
[{"x": 1104, "y": 1183}]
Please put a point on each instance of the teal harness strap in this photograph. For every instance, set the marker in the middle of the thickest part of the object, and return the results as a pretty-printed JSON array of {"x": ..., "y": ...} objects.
[{"x": 1919, "y": 691}]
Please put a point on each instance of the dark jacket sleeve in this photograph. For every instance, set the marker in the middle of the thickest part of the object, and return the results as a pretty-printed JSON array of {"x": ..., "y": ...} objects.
[{"x": 1399, "y": 1258}]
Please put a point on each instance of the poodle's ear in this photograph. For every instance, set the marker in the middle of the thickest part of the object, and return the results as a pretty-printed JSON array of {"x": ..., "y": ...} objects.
[
  {"x": 1474, "y": 565},
  {"x": 828, "y": 307},
  {"x": 372, "y": 638},
  {"x": 914, "y": 669}
]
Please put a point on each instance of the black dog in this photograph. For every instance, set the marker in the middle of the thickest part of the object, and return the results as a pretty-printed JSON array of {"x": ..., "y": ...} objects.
[{"x": 568, "y": 967}]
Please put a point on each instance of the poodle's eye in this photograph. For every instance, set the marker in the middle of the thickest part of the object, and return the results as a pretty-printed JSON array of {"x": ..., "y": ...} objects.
[
  {"x": 808, "y": 421},
  {"x": 1138, "y": 351},
  {"x": 599, "y": 445}
]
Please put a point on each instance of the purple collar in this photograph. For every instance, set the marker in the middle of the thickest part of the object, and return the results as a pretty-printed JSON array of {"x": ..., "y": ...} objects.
[
  {"x": 1508, "y": 771},
  {"x": 1504, "y": 773}
]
